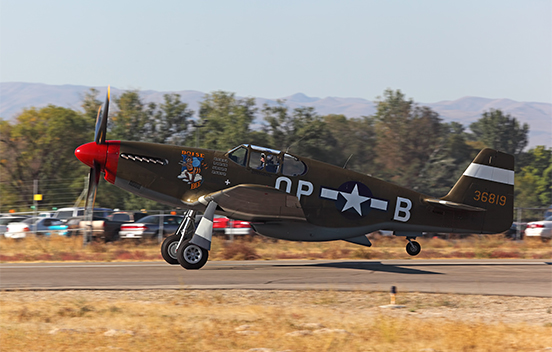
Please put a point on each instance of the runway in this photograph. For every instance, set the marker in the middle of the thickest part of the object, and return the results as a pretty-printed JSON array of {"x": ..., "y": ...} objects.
[{"x": 489, "y": 277}]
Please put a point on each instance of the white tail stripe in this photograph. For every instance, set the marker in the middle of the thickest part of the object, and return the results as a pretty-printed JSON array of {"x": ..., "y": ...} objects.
[{"x": 490, "y": 173}]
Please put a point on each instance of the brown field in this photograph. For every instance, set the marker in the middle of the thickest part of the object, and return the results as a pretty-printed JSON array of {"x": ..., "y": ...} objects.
[
  {"x": 262, "y": 321},
  {"x": 259, "y": 248},
  {"x": 237, "y": 320}
]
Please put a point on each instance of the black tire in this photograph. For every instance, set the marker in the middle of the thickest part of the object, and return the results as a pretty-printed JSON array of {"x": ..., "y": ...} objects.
[
  {"x": 413, "y": 248},
  {"x": 168, "y": 249},
  {"x": 191, "y": 256}
]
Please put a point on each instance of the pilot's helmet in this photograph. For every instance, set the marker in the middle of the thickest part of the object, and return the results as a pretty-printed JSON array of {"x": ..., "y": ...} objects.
[
  {"x": 269, "y": 158},
  {"x": 263, "y": 155}
]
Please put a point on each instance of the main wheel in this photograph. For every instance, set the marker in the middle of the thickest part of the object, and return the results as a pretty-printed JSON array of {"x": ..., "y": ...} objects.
[
  {"x": 192, "y": 256},
  {"x": 168, "y": 249},
  {"x": 413, "y": 248}
]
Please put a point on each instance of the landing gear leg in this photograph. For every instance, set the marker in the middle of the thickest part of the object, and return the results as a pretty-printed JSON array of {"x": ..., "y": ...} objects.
[
  {"x": 193, "y": 253},
  {"x": 412, "y": 247},
  {"x": 184, "y": 232}
]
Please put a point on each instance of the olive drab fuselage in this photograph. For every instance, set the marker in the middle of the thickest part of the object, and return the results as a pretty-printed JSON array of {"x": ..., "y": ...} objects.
[{"x": 322, "y": 194}]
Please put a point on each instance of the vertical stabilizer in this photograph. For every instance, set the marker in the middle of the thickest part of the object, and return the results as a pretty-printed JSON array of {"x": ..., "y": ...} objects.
[{"x": 488, "y": 183}]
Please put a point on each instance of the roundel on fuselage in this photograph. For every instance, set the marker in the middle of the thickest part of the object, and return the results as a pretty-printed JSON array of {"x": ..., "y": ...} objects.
[{"x": 353, "y": 199}]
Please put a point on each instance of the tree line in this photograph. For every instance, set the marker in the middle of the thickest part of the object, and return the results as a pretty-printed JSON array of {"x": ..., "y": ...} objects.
[{"x": 402, "y": 142}]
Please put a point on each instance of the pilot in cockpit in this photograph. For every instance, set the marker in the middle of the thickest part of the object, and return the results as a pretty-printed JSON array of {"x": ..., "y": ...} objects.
[{"x": 263, "y": 162}]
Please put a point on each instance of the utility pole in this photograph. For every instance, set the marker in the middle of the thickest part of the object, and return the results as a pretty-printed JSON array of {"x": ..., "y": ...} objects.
[
  {"x": 36, "y": 198},
  {"x": 197, "y": 126}
]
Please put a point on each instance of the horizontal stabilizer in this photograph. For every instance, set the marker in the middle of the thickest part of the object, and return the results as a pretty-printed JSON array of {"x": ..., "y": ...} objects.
[
  {"x": 451, "y": 205},
  {"x": 362, "y": 240}
]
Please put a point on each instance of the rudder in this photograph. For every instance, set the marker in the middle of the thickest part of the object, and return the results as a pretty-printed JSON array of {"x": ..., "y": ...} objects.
[{"x": 488, "y": 183}]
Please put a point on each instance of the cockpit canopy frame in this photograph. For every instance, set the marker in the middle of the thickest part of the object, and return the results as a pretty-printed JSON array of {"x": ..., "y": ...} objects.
[{"x": 267, "y": 160}]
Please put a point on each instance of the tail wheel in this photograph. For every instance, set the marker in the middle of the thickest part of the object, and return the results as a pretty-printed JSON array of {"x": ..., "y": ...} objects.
[
  {"x": 168, "y": 249},
  {"x": 191, "y": 256},
  {"x": 413, "y": 248}
]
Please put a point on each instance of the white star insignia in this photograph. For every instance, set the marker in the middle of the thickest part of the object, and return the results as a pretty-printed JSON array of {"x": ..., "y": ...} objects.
[{"x": 354, "y": 200}]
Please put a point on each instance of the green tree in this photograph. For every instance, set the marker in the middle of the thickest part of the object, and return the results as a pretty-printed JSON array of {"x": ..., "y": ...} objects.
[
  {"x": 409, "y": 139},
  {"x": 280, "y": 126},
  {"x": 533, "y": 183},
  {"x": 129, "y": 117},
  {"x": 303, "y": 132},
  {"x": 90, "y": 104},
  {"x": 355, "y": 139},
  {"x": 225, "y": 121},
  {"x": 447, "y": 163},
  {"x": 501, "y": 132},
  {"x": 170, "y": 120},
  {"x": 457, "y": 144},
  {"x": 40, "y": 146},
  {"x": 315, "y": 139}
]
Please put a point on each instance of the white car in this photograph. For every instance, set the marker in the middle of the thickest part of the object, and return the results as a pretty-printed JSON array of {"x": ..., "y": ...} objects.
[
  {"x": 542, "y": 229},
  {"x": 5, "y": 220},
  {"x": 71, "y": 212},
  {"x": 40, "y": 226}
]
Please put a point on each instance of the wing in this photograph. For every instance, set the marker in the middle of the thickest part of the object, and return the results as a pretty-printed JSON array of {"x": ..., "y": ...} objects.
[{"x": 252, "y": 202}]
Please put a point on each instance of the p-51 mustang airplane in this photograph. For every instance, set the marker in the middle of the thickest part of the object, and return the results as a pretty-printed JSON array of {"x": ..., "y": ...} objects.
[{"x": 293, "y": 198}]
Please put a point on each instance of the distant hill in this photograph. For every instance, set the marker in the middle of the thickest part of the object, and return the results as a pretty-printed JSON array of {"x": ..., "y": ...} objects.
[{"x": 15, "y": 96}]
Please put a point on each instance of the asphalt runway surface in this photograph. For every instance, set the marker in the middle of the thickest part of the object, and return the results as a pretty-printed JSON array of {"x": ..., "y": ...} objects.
[{"x": 490, "y": 277}]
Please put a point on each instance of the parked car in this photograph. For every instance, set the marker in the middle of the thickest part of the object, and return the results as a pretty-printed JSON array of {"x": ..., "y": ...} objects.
[
  {"x": 237, "y": 227},
  {"x": 224, "y": 226},
  {"x": 219, "y": 224},
  {"x": 5, "y": 220},
  {"x": 542, "y": 229},
  {"x": 148, "y": 227},
  {"x": 108, "y": 228},
  {"x": 40, "y": 226},
  {"x": 71, "y": 212},
  {"x": 73, "y": 225},
  {"x": 512, "y": 232},
  {"x": 127, "y": 216},
  {"x": 76, "y": 225}
]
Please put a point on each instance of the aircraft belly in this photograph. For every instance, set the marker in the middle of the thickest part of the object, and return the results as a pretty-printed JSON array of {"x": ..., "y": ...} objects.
[{"x": 304, "y": 231}]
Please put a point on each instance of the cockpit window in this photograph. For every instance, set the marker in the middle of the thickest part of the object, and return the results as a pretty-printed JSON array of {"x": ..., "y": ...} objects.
[
  {"x": 239, "y": 155},
  {"x": 255, "y": 162},
  {"x": 293, "y": 166},
  {"x": 264, "y": 160}
]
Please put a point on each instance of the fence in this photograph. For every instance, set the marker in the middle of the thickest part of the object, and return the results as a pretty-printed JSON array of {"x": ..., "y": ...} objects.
[
  {"x": 77, "y": 225},
  {"x": 521, "y": 217}
]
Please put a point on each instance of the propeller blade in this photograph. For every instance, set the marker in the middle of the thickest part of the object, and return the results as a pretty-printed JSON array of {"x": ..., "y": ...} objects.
[
  {"x": 101, "y": 120},
  {"x": 93, "y": 180}
]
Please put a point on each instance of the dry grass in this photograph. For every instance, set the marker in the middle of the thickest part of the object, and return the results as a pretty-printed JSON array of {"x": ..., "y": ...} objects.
[
  {"x": 181, "y": 320},
  {"x": 257, "y": 247}
]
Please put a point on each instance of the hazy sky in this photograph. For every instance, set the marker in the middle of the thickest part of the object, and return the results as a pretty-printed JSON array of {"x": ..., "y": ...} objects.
[{"x": 430, "y": 49}]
